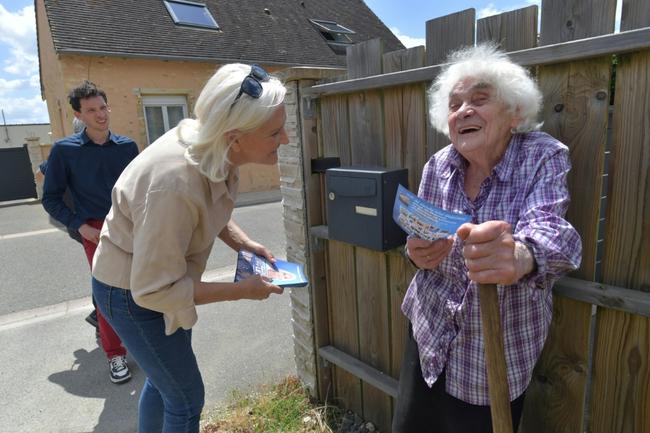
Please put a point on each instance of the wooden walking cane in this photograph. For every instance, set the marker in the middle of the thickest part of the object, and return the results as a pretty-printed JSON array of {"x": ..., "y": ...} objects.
[{"x": 495, "y": 359}]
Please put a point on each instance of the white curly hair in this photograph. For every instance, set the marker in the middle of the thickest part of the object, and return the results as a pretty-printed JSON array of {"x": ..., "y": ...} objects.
[{"x": 514, "y": 86}]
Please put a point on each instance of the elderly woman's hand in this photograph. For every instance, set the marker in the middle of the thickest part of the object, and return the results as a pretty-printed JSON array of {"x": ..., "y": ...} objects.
[
  {"x": 257, "y": 288},
  {"x": 492, "y": 255},
  {"x": 428, "y": 254}
]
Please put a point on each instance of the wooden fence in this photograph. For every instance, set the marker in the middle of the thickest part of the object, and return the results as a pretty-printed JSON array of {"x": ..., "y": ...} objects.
[{"x": 594, "y": 373}]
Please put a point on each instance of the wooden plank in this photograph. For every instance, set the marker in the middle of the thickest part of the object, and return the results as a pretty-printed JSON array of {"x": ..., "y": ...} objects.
[
  {"x": 444, "y": 35},
  {"x": 554, "y": 403},
  {"x": 513, "y": 31},
  {"x": 575, "y": 112},
  {"x": 597, "y": 46},
  {"x": 374, "y": 330},
  {"x": 341, "y": 287},
  {"x": 400, "y": 274},
  {"x": 367, "y": 140},
  {"x": 588, "y": 48},
  {"x": 447, "y": 33},
  {"x": 622, "y": 347},
  {"x": 578, "y": 19},
  {"x": 343, "y": 320},
  {"x": 405, "y": 117},
  {"x": 359, "y": 369},
  {"x": 626, "y": 260},
  {"x": 365, "y": 109},
  {"x": 635, "y": 14},
  {"x": 604, "y": 295},
  {"x": 314, "y": 216},
  {"x": 621, "y": 391},
  {"x": 335, "y": 128}
]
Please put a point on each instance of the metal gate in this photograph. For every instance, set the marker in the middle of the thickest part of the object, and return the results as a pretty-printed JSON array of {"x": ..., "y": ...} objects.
[{"x": 16, "y": 177}]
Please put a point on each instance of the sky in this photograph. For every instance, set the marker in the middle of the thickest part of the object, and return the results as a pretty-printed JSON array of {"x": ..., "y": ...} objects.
[{"x": 20, "y": 96}]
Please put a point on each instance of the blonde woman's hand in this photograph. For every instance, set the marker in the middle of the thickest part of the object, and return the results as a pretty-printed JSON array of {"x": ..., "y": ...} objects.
[
  {"x": 259, "y": 249},
  {"x": 257, "y": 288}
]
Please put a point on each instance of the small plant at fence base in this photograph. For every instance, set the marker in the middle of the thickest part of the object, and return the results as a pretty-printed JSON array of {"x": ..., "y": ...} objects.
[{"x": 282, "y": 408}]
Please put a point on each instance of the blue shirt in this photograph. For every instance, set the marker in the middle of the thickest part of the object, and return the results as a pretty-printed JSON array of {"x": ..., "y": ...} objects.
[{"x": 89, "y": 171}]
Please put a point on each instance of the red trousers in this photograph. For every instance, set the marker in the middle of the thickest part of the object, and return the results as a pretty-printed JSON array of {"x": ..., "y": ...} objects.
[{"x": 111, "y": 343}]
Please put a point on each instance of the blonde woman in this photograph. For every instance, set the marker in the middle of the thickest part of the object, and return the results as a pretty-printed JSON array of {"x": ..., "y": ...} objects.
[{"x": 169, "y": 205}]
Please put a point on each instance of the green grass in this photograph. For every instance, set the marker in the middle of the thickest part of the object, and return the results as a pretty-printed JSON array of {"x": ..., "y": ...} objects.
[{"x": 282, "y": 408}]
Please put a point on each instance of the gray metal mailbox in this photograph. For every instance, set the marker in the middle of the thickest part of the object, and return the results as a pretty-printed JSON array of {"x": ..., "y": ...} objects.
[{"x": 360, "y": 206}]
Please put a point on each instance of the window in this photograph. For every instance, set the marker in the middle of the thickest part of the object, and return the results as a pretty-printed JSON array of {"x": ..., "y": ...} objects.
[
  {"x": 335, "y": 34},
  {"x": 187, "y": 13},
  {"x": 331, "y": 26},
  {"x": 162, "y": 113}
]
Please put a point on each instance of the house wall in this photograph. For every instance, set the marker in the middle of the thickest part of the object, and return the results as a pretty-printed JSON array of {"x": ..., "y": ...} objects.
[
  {"x": 52, "y": 89},
  {"x": 125, "y": 81},
  {"x": 17, "y": 135}
]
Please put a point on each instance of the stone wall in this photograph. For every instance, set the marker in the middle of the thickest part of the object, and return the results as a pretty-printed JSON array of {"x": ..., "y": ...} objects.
[
  {"x": 292, "y": 186},
  {"x": 293, "y": 210}
]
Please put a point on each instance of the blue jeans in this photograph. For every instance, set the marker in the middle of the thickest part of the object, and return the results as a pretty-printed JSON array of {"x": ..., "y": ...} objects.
[{"x": 173, "y": 394}]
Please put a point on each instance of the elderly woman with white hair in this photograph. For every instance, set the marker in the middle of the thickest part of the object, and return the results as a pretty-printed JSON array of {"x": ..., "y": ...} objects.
[
  {"x": 511, "y": 180},
  {"x": 169, "y": 205}
]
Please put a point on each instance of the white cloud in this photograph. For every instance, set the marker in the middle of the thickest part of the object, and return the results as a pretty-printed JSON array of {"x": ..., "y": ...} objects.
[
  {"x": 408, "y": 41},
  {"x": 10, "y": 85},
  {"x": 490, "y": 9},
  {"x": 18, "y": 33},
  {"x": 19, "y": 79},
  {"x": 35, "y": 81},
  {"x": 24, "y": 110},
  {"x": 21, "y": 63},
  {"x": 18, "y": 29}
]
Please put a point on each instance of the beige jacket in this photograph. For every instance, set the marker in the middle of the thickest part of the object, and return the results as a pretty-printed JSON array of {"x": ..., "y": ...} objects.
[{"x": 159, "y": 232}]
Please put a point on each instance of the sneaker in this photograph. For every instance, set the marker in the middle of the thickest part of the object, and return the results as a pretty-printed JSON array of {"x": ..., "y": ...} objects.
[
  {"x": 119, "y": 370},
  {"x": 92, "y": 319}
]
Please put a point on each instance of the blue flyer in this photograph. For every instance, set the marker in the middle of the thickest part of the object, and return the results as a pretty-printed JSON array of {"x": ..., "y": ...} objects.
[
  {"x": 421, "y": 219},
  {"x": 281, "y": 273}
]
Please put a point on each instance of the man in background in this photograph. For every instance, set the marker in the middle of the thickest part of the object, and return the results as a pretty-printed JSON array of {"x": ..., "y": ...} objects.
[{"x": 88, "y": 164}]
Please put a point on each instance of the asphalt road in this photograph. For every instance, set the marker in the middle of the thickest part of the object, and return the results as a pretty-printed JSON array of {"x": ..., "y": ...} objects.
[
  {"x": 41, "y": 266},
  {"x": 55, "y": 378}
]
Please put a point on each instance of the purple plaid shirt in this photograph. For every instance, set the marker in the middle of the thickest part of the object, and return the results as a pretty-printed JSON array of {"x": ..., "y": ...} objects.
[{"x": 528, "y": 189}]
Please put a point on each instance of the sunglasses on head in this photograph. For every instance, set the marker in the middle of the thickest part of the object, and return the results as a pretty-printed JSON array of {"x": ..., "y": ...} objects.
[{"x": 252, "y": 84}]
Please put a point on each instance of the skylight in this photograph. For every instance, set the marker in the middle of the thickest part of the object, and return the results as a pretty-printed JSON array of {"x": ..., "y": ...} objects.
[
  {"x": 188, "y": 13},
  {"x": 336, "y": 35},
  {"x": 331, "y": 26}
]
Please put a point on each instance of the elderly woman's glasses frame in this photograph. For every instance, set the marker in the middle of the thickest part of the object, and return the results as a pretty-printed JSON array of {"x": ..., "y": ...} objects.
[{"x": 252, "y": 84}]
